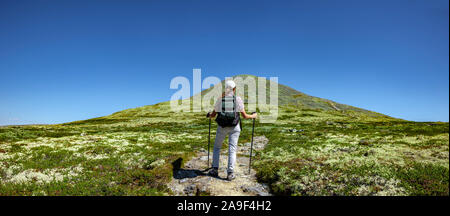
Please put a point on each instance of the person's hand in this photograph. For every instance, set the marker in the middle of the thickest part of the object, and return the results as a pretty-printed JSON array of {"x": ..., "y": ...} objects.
[
  {"x": 210, "y": 115},
  {"x": 254, "y": 115}
]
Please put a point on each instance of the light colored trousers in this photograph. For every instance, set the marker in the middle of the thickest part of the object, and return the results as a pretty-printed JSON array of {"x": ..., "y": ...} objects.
[{"x": 221, "y": 133}]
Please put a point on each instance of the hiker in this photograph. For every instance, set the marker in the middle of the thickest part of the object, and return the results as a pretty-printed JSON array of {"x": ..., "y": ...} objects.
[{"x": 228, "y": 108}]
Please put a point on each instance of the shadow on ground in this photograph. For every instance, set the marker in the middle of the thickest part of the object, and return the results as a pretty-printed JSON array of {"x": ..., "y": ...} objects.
[{"x": 179, "y": 173}]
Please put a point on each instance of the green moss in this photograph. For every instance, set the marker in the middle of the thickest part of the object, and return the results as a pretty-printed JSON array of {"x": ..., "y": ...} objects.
[{"x": 425, "y": 179}]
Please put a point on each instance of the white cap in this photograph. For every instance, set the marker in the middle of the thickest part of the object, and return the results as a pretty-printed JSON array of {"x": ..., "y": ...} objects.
[{"x": 229, "y": 84}]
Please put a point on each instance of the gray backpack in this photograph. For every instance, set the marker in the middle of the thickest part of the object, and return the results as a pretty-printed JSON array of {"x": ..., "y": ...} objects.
[{"x": 228, "y": 116}]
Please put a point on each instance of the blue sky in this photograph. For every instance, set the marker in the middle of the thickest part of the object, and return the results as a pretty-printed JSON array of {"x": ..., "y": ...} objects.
[{"x": 62, "y": 61}]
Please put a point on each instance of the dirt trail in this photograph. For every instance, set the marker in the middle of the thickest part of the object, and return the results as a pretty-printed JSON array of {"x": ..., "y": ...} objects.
[{"x": 193, "y": 180}]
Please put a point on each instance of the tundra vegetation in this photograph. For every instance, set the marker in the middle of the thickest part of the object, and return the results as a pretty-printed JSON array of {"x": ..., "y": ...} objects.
[{"x": 316, "y": 147}]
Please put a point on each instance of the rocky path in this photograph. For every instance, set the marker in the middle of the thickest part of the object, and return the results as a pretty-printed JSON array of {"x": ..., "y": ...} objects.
[{"x": 193, "y": 180}]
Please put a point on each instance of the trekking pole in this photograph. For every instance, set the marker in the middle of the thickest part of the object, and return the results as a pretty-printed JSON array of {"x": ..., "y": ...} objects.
[
  {"x": 209, "y": 135},
  {"x": 251, "y": 146}
]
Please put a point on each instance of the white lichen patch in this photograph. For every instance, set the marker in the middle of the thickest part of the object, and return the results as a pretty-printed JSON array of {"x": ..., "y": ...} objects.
[
  {"x": 43, "y": 176},
  {"x": 133, "y": 160},
  {"x": 158, "y": 163},
  {"x": 95, "y": 156},
  {"x": 379, "y": 186},
  {"x": 417, "y": 140},
  {"x": 69, "y": 142},
  {"x": 171, "y": 138},
  {"x": 280, "y": 155},
  {"x": 5, "y": 156}
]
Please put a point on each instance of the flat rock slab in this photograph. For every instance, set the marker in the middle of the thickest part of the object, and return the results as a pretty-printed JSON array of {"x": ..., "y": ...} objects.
[{"x": 192, "y": 179}]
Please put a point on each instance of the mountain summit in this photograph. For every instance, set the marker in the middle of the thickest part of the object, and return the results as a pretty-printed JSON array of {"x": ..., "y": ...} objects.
[
  {"x": 308, "y": 108},
  {"x": 288, "y": 96}
]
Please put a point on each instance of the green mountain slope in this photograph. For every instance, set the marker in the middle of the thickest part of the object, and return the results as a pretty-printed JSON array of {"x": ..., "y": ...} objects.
[
  {"x": 290, "y": 96},
  {"x": 288, "y": 99}
]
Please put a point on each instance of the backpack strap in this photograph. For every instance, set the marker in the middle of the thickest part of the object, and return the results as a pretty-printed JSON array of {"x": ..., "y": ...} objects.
[
  {"x": 234, "y": 103},
  {"x": 224, "y": 100}
]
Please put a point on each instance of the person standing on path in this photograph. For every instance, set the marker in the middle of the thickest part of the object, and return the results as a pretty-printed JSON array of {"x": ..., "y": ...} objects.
[{"x": 228, "y": 109}]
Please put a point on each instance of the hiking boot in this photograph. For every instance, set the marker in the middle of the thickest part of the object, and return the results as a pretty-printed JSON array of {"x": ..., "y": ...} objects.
[
  {"x": 230, "y": 176},
  {"x": 214, "y": 172}
]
